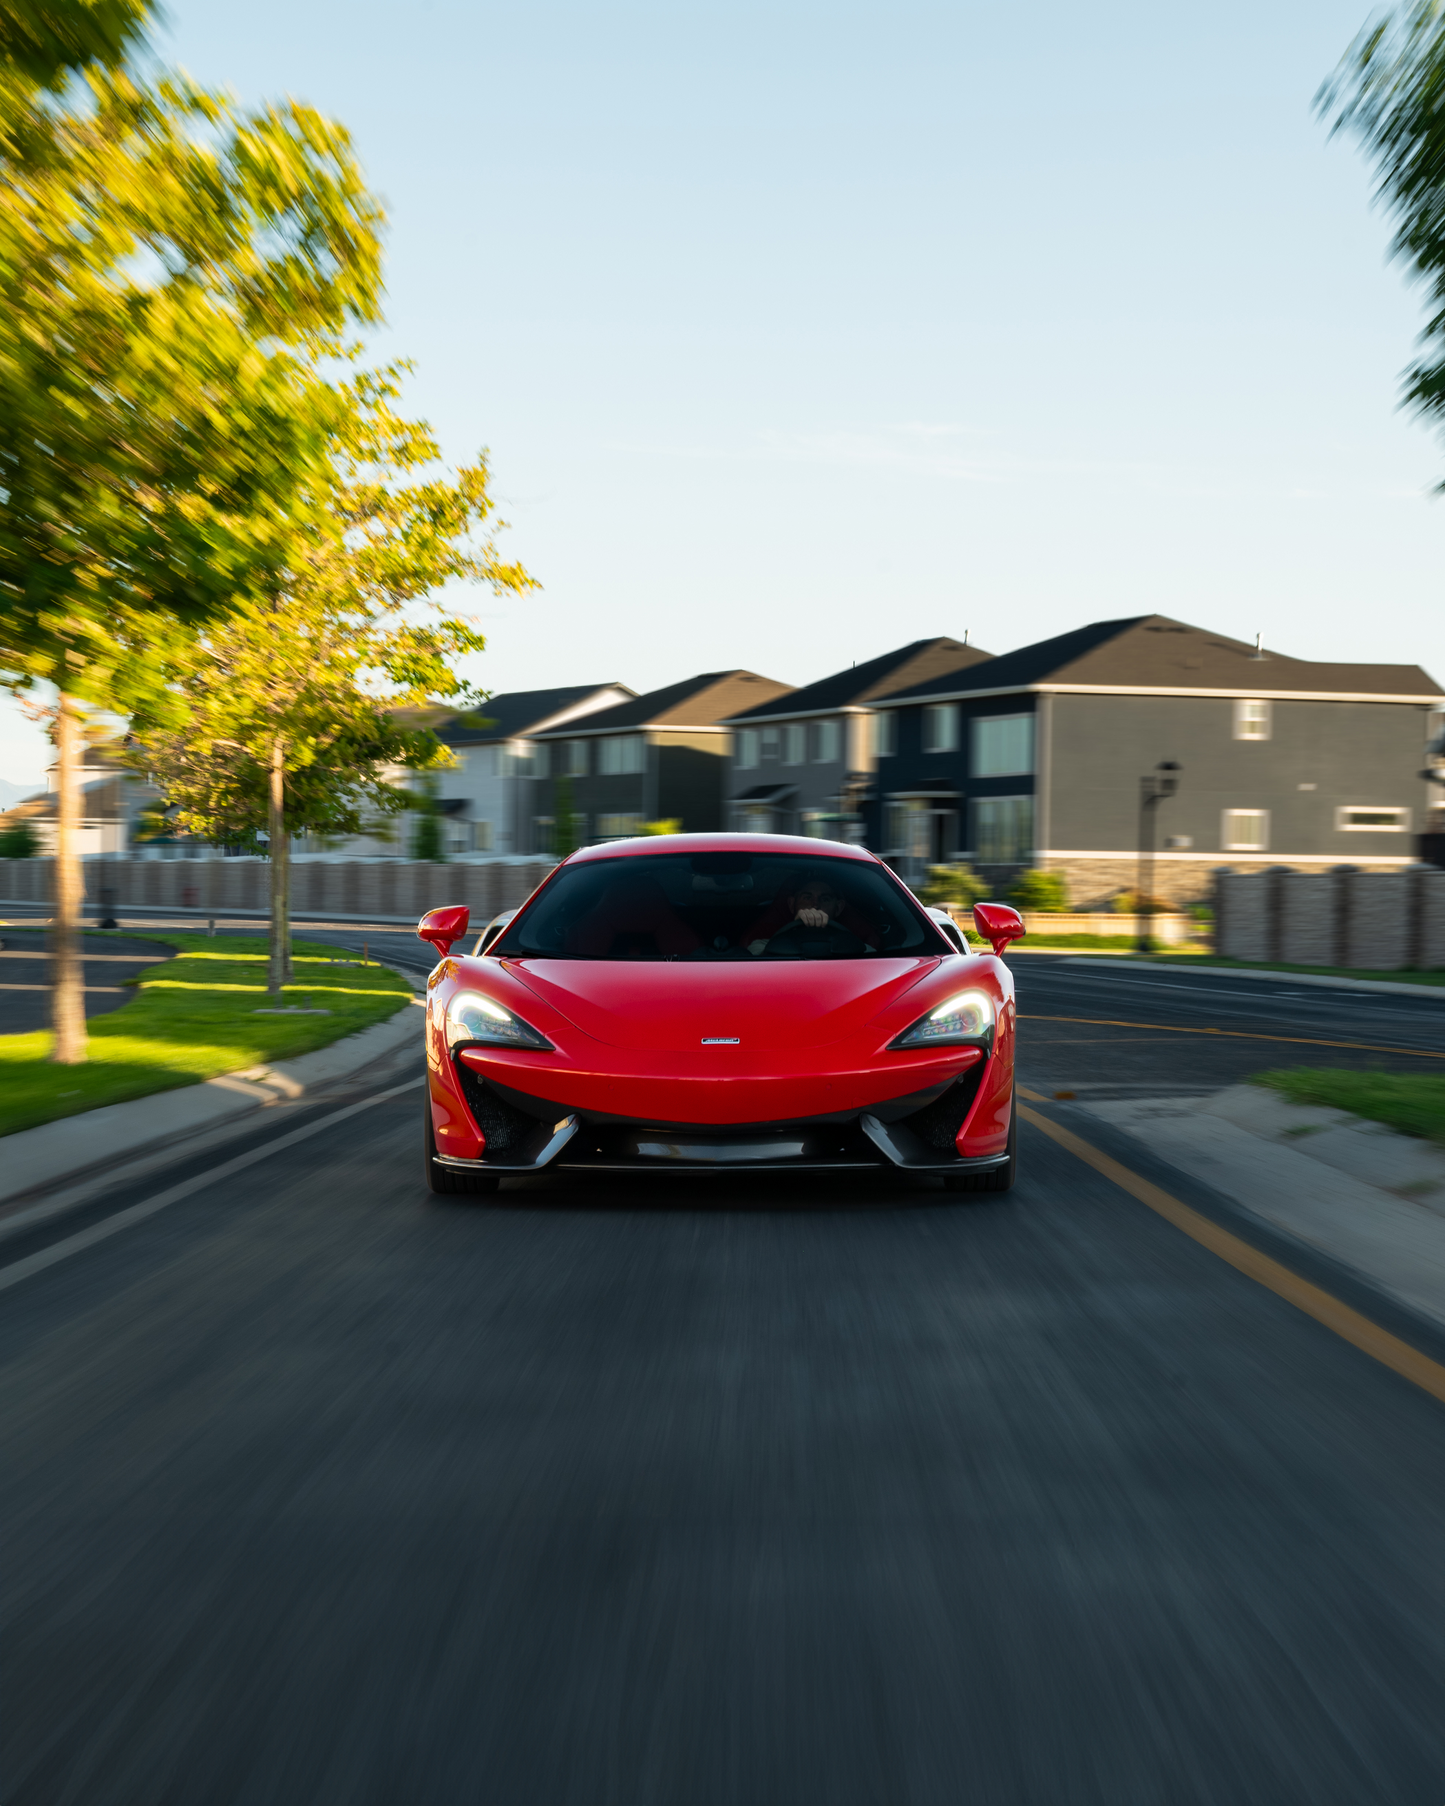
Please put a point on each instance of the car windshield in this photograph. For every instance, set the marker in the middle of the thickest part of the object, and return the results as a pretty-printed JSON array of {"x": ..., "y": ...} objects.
[{"x": 714, "y": 906}]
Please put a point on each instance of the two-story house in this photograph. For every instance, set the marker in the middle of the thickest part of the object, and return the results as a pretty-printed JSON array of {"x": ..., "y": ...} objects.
[
  {"x": 1037, "y": 758},
  {"x": 486, "y": 795},
  {"x": 803, "y": 763},
  {"x": 658, "y": 757}
]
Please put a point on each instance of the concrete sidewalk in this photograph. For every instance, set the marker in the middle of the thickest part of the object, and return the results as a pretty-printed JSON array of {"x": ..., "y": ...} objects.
[
  {"x": 94, "y": 1142},
  {"x": 1366, "y": 1196}
]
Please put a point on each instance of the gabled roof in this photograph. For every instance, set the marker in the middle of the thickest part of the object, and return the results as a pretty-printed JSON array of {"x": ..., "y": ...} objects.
[
  {"x": 517, "y": 713},
  {"x": 703, "y": 701},
  {"x": 915, "y": 663},
  {"x": 1155, "y": 653}
]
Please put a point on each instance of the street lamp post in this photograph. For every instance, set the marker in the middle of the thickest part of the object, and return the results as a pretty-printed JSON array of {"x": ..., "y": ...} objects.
[{"x": 1160, "y": 783}]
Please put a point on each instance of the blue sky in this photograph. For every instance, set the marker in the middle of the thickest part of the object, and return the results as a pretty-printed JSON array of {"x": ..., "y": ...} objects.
[{"x": 797, "y": 331}]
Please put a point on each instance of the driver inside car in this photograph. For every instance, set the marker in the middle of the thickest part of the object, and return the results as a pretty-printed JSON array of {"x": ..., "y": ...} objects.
[{"x": 812, "y": 903}]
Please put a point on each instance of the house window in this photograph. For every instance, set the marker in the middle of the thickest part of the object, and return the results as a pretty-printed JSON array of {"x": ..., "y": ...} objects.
[
  {"x": 1003, "y": 746},
  {"x": 1003, "y": 829},
  {"x": 575, "y": 753},
  {"x": 940, "y": 727},
  {"x": 1357, "y": 818},
  {"x": 885, "y": 733},
  {"x": 481, "y": 836},
  {"x": 769, "y": 743},
  {"x": 1251, "y": 719},
  {"x": 1245, "y": 831},
  {"x": 827, "y": 743},
  {"x": 618, "y": 827},
  {"x": 620, "y": 755},
  {"x": 519, "y": 759},
  {"x": 795, "y": 743},
  {"x": 542, "y": 833},
  {"x": 747, "y": 745}
]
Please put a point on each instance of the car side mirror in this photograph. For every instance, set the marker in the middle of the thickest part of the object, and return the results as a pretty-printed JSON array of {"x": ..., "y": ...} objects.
[
  {"x": 443, "y": 926},
  {"x": 998, "y": 924}
]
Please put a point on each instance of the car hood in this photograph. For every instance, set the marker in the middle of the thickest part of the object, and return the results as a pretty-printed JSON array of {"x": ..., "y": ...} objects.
[{"x": 675, "y": 1004}]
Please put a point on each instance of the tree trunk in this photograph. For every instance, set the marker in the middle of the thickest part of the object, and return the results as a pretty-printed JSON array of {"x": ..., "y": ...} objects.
[
  {"x": 67, "y": 974},
  {"x": 278, "y": 971}
]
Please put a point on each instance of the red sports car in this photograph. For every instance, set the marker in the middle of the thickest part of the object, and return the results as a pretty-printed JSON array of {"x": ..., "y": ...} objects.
[{"x": 720, "y": 1002}]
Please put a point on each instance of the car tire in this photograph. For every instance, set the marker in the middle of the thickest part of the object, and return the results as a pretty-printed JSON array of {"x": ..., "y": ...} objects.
[
  {"x": 448, "y": 1181},
  {"x": 998, "y": 1178}
]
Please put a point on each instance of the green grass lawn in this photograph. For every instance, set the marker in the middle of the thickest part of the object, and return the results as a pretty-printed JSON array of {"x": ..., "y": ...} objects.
[
  {"x": 192, "y": 1018},
  {"x": 1436, "y": 978},
  {"x": 1413, "y": 1102}
]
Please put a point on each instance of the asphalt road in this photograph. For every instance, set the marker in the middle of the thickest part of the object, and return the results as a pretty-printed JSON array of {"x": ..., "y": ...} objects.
[
  {"x": 318, "y": 1491},
  {"x": 25, "y": 975}
]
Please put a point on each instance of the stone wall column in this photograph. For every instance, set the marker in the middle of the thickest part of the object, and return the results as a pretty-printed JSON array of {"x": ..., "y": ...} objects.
[
  {"x": 1379, "y": 936},
  {"x": 1432, "y": 920}
]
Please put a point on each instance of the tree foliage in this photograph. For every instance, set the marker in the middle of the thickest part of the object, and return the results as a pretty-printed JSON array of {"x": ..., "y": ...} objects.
[
  {"x": 169, "y": 271},
  {"x": 44, "y": 42},
  {"x": 1389, "y": 91},
  {"x": 337, "y": 671}
]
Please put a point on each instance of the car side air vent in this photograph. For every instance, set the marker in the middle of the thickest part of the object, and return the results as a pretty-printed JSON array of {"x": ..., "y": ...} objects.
[
  {"x": 937, "y": 1124},
  {"x": 503, "y": 1125}
]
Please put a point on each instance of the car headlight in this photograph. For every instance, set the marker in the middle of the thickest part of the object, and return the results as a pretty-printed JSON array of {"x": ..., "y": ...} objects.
[
  {"x": 967, "y": 1017},
  {"x": 473, "y": 1017}
]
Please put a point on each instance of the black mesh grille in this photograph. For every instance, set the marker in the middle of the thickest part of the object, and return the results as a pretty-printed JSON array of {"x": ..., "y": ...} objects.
[
  {"x": 503, "y": 1126},
  {"x": 938, "y": 1123}
]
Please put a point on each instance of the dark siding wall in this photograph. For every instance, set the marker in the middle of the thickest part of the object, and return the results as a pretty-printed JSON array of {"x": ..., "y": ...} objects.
[
  {"x": 913, "y": 769},
  {"x": 690, "y": 783},
  {"x": 1353, "y": 752}
]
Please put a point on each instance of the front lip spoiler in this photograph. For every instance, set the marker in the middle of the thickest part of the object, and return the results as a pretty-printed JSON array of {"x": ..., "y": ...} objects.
[{"x": 899, "y": 1147}]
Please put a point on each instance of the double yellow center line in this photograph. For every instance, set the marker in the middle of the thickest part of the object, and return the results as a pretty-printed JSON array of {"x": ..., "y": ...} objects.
[{"x": 1313, "y": 1300}]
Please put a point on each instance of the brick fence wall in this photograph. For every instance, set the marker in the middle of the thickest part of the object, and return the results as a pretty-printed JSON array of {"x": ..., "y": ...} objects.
[
  {"x": 1378, "y": 921},
  {"x": 395, "y": 887}
]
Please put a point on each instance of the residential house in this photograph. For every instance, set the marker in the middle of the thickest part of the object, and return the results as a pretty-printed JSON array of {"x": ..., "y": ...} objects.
[
  {"x": 1037, "y": 757},
  {"x": 803, "y": 763},
  {"x": 486, "y": 796},
  {"x": 658, "y": 757}
]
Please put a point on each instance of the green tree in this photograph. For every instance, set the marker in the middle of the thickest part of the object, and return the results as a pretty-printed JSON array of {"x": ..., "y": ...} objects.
[
  {"x": 426, "y": 838},
  {"x": 44, "y": 42},
  {"x": 296, "y": 710},
  {"x": 18, "y": 840},
  {"x": 170, "y": 269},
  {"x": 1389, "y": 91},
  {"x": 564, "y": 818}
]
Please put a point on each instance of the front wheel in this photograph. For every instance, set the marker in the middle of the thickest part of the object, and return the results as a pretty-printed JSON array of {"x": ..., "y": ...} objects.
[
  {"x": 448, "y": 1181},
  {"x": 998, "y": 1178}
]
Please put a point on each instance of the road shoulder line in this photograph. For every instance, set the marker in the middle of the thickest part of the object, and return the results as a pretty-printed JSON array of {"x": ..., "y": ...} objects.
[{"x": 1343, "y": 1320}]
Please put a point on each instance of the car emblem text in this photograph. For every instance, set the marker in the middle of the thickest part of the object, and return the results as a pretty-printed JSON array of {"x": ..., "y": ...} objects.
[{"x": 721, "y": 1040}]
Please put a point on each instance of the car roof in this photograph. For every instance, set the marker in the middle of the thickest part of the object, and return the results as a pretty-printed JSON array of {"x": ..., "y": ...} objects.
[{"x": 794, "y": 845}]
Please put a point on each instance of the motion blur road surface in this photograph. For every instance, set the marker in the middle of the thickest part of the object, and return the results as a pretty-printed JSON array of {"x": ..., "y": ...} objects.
[{"x": 320, "y": 1491}]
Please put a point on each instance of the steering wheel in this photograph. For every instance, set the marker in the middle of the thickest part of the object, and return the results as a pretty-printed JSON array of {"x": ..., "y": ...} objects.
[{"x": 830, "y": 941}]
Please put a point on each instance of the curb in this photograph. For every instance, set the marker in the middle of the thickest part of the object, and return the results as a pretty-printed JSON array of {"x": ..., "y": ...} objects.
[
  {"x": 36, "y": 1159},
  {"x": 1286, "y": 978}
]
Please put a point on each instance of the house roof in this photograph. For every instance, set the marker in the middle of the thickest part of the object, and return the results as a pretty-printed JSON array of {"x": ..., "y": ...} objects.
[
  {"x": 517, "y": 712},
  {"x": 915, "y": 663},
  {"x": 1156, "y": 653},
  {"x": 703, "y": 701}
]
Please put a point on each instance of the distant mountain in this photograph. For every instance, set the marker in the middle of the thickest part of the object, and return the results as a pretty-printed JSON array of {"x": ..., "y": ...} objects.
[{"x": 10, "y": 794}]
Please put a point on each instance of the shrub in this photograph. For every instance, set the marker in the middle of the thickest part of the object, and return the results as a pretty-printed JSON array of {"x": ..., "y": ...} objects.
[
  {"x": 1044, "y": 891},
  {"x": 957, "y": 884},
  {"x": 18, "y": 840},
  {"x": 1129, "y": 903}
]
